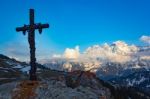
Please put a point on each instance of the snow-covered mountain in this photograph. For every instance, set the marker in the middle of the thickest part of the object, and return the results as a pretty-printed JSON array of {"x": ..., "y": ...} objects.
[
  {"x": 134, "y": 73},
  {"x": 104, "y": 69},
  {"x": 140, "y": 79}
]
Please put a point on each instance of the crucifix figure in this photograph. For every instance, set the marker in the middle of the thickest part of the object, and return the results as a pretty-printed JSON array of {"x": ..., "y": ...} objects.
[{"x": 31, "y": 39}]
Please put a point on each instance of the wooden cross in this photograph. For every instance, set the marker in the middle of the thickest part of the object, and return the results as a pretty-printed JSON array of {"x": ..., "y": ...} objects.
[{"x": 31, "y": 39}]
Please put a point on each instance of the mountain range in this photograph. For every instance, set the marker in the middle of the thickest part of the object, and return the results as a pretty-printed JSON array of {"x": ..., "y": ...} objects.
[
  {"x": 133, "y": 73},
  {"x": 115, "y": 80}
]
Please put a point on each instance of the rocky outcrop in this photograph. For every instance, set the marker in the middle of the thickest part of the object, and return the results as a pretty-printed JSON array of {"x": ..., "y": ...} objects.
[{"x": 59, "y": 90}]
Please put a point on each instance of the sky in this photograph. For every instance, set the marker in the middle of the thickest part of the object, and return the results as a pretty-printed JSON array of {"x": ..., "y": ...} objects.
[{"x": 72, "y": 22}]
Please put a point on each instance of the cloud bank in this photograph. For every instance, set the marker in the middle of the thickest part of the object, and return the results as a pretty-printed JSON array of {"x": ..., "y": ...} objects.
[{"x": 118, "y": 51}]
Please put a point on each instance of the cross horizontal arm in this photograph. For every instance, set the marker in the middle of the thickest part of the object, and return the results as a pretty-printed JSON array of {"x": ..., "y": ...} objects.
[{"x": 35, "y": 26}]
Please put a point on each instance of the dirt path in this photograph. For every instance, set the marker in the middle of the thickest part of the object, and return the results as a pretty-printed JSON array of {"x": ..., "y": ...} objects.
[{"x": 25, "y": 90}]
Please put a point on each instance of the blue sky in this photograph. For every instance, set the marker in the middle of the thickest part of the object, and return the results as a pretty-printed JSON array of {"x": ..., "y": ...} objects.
[{"x": 75, "y": 22}]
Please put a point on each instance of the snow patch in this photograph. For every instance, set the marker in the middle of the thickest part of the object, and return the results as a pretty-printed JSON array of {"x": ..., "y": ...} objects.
[
  {"x": 18, "y": 66},
  {"x": 26, "y": 69}
]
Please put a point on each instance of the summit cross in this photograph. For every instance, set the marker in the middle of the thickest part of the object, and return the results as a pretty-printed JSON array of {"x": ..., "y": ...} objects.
[{"x": 30, "y": 29}]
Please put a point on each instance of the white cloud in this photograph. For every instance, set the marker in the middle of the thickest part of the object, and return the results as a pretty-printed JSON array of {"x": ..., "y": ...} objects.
[
  {"x": 145, "y": 39},
  {"x": 119, "y": 51},
  {"x": 57, "y": 56},
  {"x": 72, "y": 53}
]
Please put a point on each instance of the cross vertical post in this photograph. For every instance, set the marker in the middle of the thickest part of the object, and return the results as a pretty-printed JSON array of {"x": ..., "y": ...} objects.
[{"x": 31, "y": 39}]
